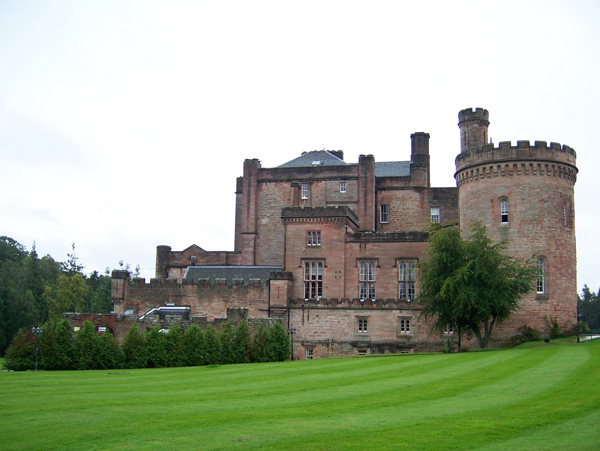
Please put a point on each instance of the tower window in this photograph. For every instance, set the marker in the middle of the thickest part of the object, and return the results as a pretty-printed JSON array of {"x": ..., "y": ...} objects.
[
  {"x": 541, "y": 276},
  {"x": 313, "y": 280},
  {"x": 504, "y": 211},
  {"x": 435, "y": 214},
  {"x": 342, "y": 187},
  {"x": 384, "y": 214},
  {"x": 313, "y": 238}
]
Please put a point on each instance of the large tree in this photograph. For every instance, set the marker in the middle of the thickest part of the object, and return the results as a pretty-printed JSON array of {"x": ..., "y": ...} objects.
[{"x": 471, "y": 284}]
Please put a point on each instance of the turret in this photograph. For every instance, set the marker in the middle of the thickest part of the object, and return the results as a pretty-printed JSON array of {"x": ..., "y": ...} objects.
[{"x": 473, "y": 128}]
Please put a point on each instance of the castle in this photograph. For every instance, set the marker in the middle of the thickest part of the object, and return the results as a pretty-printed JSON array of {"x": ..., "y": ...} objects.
[{"x": 329, "y": 247}]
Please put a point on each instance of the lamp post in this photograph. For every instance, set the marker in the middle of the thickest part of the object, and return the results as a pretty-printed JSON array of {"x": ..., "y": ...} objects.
[
  {"x": 37, "y": 331},
  {"x": 292, "y": 331}
]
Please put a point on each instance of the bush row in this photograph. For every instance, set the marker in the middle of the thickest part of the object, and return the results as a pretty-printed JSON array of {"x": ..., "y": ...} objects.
[{"x": 60, "y": 349}]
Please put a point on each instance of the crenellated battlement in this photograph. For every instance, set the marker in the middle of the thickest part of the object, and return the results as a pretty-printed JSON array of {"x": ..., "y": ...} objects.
[
  {"x": 355, "y": 303},
  {"x": 520, "y": 159},
  {"x": 479, "y": 114}
]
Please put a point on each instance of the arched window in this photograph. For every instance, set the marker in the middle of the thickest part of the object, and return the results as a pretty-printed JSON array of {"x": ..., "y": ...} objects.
[
  {"x": 541, "y": 276},
  {"x": 504, "y": 211}
]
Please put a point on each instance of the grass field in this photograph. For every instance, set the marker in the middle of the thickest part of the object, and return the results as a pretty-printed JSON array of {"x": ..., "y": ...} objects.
[{"x": 537, "y": 398}]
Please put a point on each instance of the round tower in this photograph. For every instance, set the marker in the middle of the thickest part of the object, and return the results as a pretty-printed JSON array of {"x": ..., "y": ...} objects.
[
  {"x": 524, "y": 195},
  {"x": 473, "y": 128}
]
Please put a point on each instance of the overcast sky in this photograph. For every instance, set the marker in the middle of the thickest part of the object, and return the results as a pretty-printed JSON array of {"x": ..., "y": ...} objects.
[{"x": 123, "y": 124}]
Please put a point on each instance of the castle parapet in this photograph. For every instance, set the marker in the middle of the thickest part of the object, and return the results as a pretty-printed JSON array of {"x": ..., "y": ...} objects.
[{"x": 523, "y": 151}]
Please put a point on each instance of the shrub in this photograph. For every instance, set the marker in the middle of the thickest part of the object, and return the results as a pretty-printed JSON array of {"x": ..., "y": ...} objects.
[
  {"x": 213, "y": 346},
  {"x": 21, "y": 352},
  {"x": 156, "y": 348},
  {"x": 553, "y": 326}
]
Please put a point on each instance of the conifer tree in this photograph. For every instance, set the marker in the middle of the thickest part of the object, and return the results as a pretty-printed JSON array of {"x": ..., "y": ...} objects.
[
  {"x": 156, "y": 348},
  {"x": 259, "y": 345},
  {"x": 226, "y": 337},
  {"x": 241, "y": 343},
  {"x": 176, "y": 347},
  {"x": 195, "y": 346},
  {"x": 213, "y": 346},
  {"x": 278, "y": 343},
  {"x": 134, "y": 348},
  {"x": 110, "y": 354},
  {"x": 88, "y": 347}
]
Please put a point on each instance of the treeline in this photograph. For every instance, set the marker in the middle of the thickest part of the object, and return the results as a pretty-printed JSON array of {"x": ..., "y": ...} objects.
[
  {"x": 588, "y": 306},
  {"x": 34, "y": 290},
  {"x": 60, "y": 349}
]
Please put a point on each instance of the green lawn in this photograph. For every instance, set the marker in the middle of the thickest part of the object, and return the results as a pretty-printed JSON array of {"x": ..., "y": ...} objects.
[{"x": 538, "y": 398}]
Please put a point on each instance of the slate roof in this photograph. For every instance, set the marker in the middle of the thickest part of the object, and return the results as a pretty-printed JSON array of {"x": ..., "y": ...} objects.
[
  {"x": 309, "y": 159},
  {"x": 230, "y": 273},
  {"x": 392, "y": 168}
]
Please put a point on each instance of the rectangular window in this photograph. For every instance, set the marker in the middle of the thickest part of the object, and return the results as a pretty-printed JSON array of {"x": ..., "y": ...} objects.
[
  {"x": 404, "y": 325},
  {"x": 362, "y": 352},
  {"x": 313, "y": 280},
  {"x": 504, "y": 211},
  {"x": 309, "y": 354},
  {"x": 305, "y": 191},
  {"x": 313, "y": 238},
  {"x": 435, "y": 214},
  {"x": 362, "y": 325},
  {"x": 366, "y": 280},
  {"x": 541, "y": 276},
  {"x": 406, "y": 281},
  {"x": 342, "y": 187},
  {"x": 384, "y": 214}
]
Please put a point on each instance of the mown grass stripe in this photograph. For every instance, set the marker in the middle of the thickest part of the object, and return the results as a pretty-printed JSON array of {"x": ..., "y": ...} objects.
[{"x": 408, "y": 402}]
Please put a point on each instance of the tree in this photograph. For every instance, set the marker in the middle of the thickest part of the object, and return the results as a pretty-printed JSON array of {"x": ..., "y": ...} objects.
[
  {"x": 213, "y": 346},
  {"x": 278, "y": 343},
  {"x": 226, "y": 336},
  {"x": 195, "y": 346},
  {"x": 241, "y": 343},
  {"x": 471, "y": 284},
  {"x": 110, "y": 354},
  {"x": 156, "y": 348},
  {"x": 176, "y": 347},
  {"x": 134, "y": 347},
  {"x": 88, "y": 347},
  {"x": 259, "y": 345},
  {"x": 588, "y": 305},
  {"x": 57, "y": 348},
  {"x": 20, "y": 353},
  {"x": 70, "y": 295}
]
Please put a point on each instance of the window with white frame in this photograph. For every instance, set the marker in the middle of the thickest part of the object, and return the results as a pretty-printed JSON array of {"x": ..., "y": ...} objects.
[
  {"x": 313, "y": 280},
  {"x": 406, "y": 280},
  {"x": 305, "y": 191},
  {"x": 342, "y": 187},
  {"x": 362, "y": 351},
  {"x": 384, "y": 213},
  {"x": 541, "y": 276},
  {"x": 404, "y": 325},
  {"x": 313, "y": 238},
  {"x": 366, "y": 283},
  {"x": 362, "y": 325},
  {"x": 449, "y": 330},
  {"x": 435, "y": 214},
  {"x": 504, "y": 211},
  {"x": 309, "y": 353}
]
